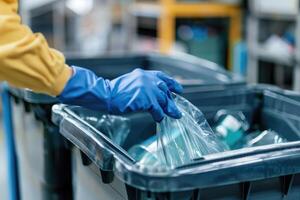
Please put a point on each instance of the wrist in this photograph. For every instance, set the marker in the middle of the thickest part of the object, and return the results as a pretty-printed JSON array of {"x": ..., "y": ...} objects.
[
  {"x": 85, "y": 89},
  {"x": 62, "y": 80}
]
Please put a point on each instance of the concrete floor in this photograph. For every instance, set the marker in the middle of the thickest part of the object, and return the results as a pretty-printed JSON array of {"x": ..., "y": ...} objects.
[{"x": 3, "y": 171}]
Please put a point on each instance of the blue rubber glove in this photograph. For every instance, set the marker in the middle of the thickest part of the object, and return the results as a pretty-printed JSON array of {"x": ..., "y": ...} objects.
[{"x": 139, "y": 90}]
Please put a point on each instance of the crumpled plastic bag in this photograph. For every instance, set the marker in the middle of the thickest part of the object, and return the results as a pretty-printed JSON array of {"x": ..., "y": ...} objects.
[
  {"x": 146, "y": 153},
  {"x": 182, "y": 141}
]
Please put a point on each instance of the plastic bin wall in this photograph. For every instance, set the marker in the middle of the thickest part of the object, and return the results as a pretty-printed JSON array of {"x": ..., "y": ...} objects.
[
  {"x": 260, "y": 173},
  {"x": 44, "y": 165}
]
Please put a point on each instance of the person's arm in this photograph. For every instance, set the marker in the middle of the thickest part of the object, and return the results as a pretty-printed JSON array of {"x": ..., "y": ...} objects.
[
  {"x": 26, "y": 61},
  {"x": 25, "y": 58}
]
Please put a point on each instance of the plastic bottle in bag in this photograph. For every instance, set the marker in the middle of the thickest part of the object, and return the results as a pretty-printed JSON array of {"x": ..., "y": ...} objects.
[
  {"x": 264, "y": 138},
  {"x": 231, "y": 127}
]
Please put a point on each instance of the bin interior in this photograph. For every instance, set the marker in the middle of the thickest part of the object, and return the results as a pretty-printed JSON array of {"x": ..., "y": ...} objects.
[
  {"x": 263, "y": 110},
  {"x": 266, "y": 172}
]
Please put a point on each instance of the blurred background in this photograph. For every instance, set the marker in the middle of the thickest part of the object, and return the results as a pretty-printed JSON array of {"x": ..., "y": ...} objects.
[
  {"x": 236, "y": 34},
  {"x": 254, "y": 38}
]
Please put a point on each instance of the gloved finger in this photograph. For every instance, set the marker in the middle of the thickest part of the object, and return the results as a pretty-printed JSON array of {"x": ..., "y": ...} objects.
[
  {"x": 157, "y": 112},
  {"x": 172, "y": 84},
  {"x": 167, "y": 103},
  {"x": 163, "y": 87},
  {"x": 171, "y": 109}
]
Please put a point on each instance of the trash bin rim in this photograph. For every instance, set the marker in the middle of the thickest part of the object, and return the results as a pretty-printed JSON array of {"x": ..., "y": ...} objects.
[
  {"x": 262, "y": 156},
  {"x": 206, "y": 159},
  {"x": 186, "y": 173},
  {"x": 32, "y": 97},
  {"x": 62, "y": 112},
  {"x": 126, "y": 168}
]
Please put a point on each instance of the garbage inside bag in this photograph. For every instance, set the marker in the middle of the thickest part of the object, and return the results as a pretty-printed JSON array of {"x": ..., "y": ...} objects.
[
  {"x": 178, "y": 142},
  {"x": 231, "y": 127},
  {"x": 148, "y": 153},
  {"x": 182, "y": 141},
  {"x": 264, "y": 138}
]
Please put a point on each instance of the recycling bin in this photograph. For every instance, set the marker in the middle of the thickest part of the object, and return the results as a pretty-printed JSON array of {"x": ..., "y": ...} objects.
[
  {"x": 192, "y": 72},
  {"x": 44, "y": 156},
  {"x": 104, "y": 170}
]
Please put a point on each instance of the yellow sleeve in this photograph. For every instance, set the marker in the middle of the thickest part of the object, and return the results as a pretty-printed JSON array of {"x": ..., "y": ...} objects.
[{"x": 26, "y": 61}]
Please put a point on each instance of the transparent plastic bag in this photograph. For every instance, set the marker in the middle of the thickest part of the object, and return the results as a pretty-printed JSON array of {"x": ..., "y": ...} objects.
[
  {"x": 264, "y": 138},
  {"x": 146, "y": 153},
  {"x": 187, "y": 139},
  {"x": 116, "y": 128}
]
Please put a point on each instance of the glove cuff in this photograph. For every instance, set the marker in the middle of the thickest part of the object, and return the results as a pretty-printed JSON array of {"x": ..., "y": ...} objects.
[{"x": 86, "y": 89}]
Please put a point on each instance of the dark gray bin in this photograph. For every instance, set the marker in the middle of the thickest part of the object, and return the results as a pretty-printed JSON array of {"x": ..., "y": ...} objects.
[
  {"x": 268, "y": 172},
  {"x": 44, "y": 159},
  {"x": 188, "y": 70},
  {"x": 43, "y": 155}
]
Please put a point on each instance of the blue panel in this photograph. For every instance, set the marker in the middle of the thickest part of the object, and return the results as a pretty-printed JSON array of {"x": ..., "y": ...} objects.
[{"x": 13, "y": 186}]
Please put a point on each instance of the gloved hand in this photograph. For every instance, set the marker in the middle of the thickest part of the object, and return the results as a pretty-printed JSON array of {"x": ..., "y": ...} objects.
[{"x": 139, "y": 90}]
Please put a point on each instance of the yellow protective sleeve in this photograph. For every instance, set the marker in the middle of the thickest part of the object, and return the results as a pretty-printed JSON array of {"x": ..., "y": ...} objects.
[{"x": 26, "y": 61}]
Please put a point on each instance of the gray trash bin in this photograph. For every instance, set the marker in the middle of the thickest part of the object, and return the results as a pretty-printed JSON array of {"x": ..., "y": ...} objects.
[
  {"x": 44, "y": 159},
  {"x": 190, "y": 71},
  {"x": 43, "y": 155},
  {"x": 268, "y": 172}
]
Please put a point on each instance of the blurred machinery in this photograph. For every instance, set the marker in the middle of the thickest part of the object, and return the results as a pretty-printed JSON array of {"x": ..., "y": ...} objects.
[
  {"x": 208, "y": 29},
  {"x": 79, "y": 27},
  {"x": 273, "y": 41}
]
